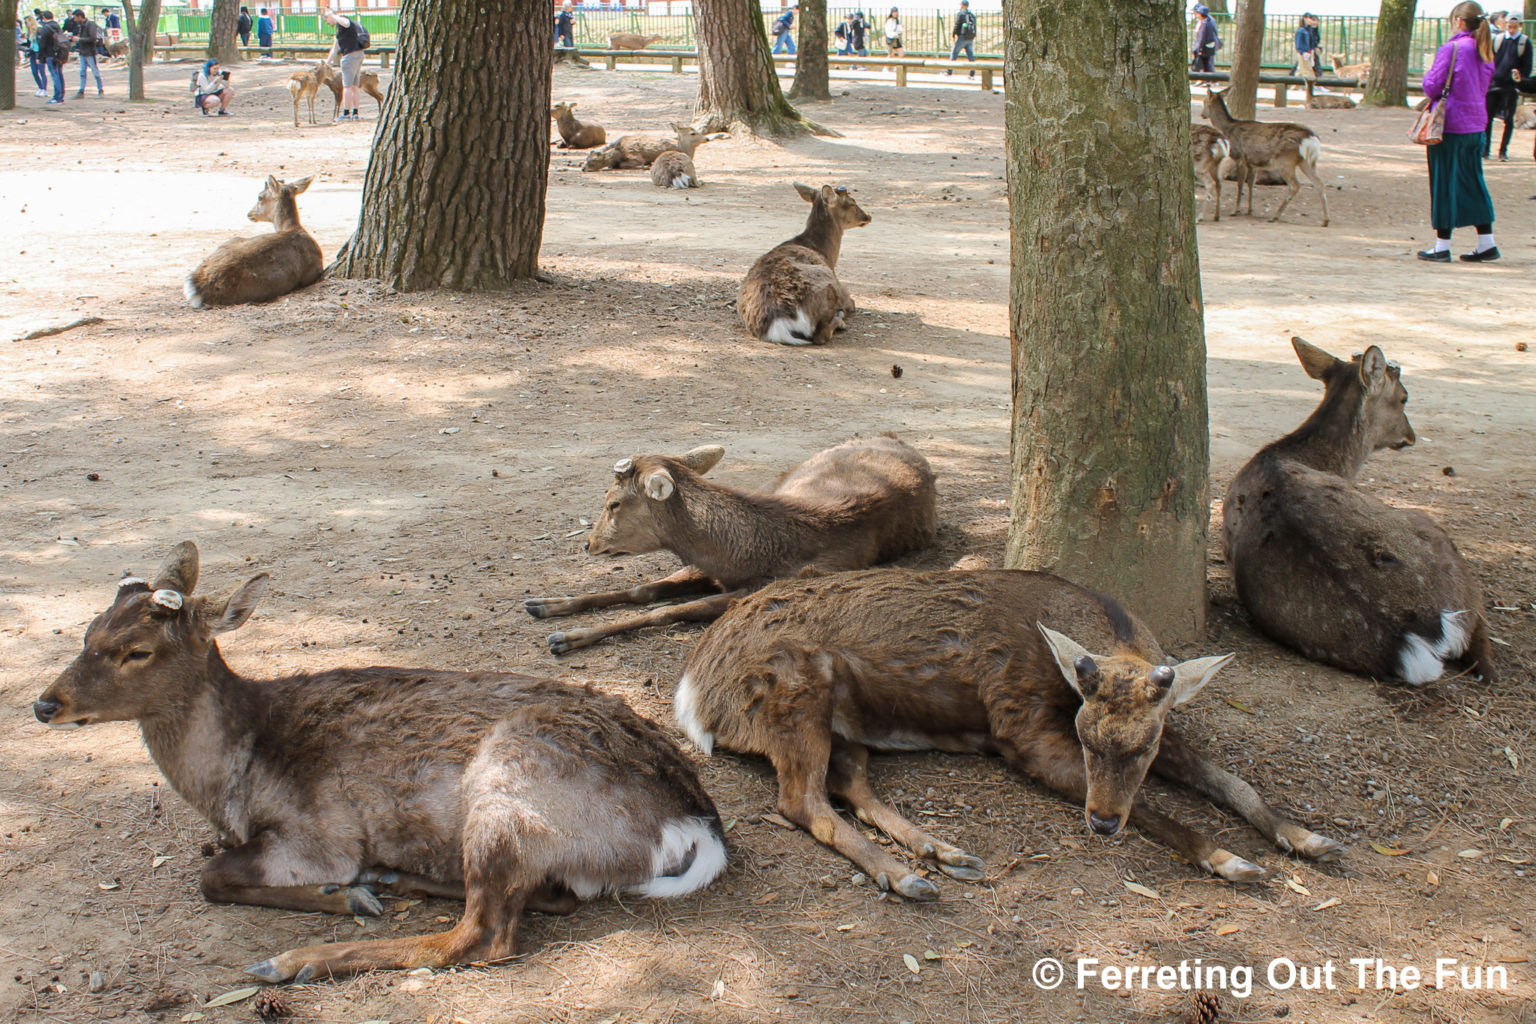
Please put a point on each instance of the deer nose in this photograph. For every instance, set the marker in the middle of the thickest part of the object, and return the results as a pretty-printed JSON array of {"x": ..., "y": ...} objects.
[
  {"x": 45, "y": 710},
  {"x": 1104, "y": 825}
]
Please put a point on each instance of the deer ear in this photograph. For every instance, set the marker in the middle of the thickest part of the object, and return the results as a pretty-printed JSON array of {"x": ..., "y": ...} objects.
[
  {"x": 1314, "y": 360},
  {"x": 658, "y": 485},
  {"x": 806, "y": 192},
  {"x": 1072, "y": 658},
  {"x": 229, "y": 610},
  {"x": 702, "y": 459},
  {"x": 1373, "y": 368},
  {"x": 1190, "y": 676},
  {"x": 179, "y": 572},
  {"x": 295, "y": 187},
  {"x": 273, "y": 185}
]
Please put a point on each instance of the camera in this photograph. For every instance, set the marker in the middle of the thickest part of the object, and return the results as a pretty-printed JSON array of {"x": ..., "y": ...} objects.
[{"x": 224, "y": 75}]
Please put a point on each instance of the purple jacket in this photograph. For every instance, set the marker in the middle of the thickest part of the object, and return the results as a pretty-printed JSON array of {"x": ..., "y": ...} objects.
[{"x": 1466, "y": 108}]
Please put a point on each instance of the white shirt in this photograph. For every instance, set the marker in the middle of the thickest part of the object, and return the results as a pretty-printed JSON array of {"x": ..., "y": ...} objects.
[{"x": 892, "y": 28}]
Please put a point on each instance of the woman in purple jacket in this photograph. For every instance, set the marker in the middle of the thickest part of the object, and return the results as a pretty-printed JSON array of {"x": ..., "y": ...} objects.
[{"x": 1458, "y": 196}]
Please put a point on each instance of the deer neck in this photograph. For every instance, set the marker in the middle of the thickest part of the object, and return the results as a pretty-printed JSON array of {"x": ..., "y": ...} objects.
[
  {"x": 286, "y": 216},
  {"x": 736, "y": 536},
  {"x": 1333, "y": 439},
  {"x": 1220, "y": 116},
  {"x": 823, "y": 234}
]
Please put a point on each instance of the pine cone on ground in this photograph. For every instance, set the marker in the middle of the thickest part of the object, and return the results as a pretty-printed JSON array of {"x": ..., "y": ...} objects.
[
  {"x": 1206, "y": 1009},
  {"x": 271, "y": 1006}
]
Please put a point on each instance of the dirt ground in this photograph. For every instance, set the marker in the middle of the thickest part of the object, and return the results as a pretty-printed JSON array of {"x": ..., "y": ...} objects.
[{"x": 409, "y": 468}]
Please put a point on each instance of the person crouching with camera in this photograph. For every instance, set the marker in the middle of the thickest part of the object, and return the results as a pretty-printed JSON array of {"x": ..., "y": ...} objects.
[{"x": 213, "y": 89}]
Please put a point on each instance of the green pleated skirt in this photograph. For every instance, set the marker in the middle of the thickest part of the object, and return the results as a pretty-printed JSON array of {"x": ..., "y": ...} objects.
[{"x": 1458, "y": 196}]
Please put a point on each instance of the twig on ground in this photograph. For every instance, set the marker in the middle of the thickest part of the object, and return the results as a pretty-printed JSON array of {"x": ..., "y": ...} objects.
[{"x": 48, "y": 332}]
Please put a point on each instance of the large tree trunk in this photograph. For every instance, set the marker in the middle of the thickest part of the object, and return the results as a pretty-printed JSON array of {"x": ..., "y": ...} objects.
[
  {"x": 223, "y": 41},
  {"x": 1387, "y": 85},
  {"x": 454, "y": 193},
  {"x": 738, "y": 90},
  {"x": 1110, "y": 439},
  {"x": 8, "y": 58},
  {"x": 811, "y": 81},
  {"x": 141, "y": 43},
  {"x": 1247, "y": 55}
]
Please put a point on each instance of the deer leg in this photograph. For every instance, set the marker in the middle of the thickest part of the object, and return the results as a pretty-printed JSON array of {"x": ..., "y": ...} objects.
[
  {"x": 1242, "y": 170},
  {"x": 1479, "y": 653},
  {"x": 1215, "y": 177},
  {"x": 1295, "y": 186},
  {"x": 1253, "y": 177},
  {"x": 1311, "y": 173},
  {"x": 1178, "y": 762},
  {"x": 706, "y": 610},
  {"x": 549, "y": 898},
  {"x": 849, "y": 781},
  {"x": 681, "y": 583},
  {"x": 236, "y": 876}
]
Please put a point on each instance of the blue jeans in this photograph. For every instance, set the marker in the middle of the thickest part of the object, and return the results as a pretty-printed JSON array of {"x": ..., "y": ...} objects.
[
  {"x": 57, "y": 74},
  {"x": 39, "y": 70},
  {"x": 968, "y": 45},
  {"x": 265, "y": 41},
  {"x": 784, "y": 43},
  {"x": 88, "y": 60}
]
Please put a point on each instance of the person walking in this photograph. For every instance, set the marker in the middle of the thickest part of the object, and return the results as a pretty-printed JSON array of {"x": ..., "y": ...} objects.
[
  {"x": 348, "y": 49},
  {"x": 1511, "y": 66},
  {"x": 88, "y": 37},
  {"x": 1207, "y": 42},
  {"x": 858, "y": 35},
  {"x": 964, "y": 34},
  {"x": 1308, "y": 43},
  {"x": 53, "y": 44},
  {"x": 893, "y": 35},
  {"x": 1459, "y": 79},
  {"x": 265, "y": 29},
  {"x": 784, "y": 31},
  {"x": 565, "y": 27},
  {"x": 243, "y": 26}
]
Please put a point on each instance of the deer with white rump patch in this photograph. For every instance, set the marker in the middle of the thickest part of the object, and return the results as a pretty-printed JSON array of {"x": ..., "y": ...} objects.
[
  {"x": 1336, "y": 573},
  {"x": 791, "y": 295},
  {"x": 674, "y": 170},
  {"x": 865, "y": 501},
  {"x": 265, "y": 267},
  {"x": 813, "y": 673},
  {"x": 333, "y": 789},
  {"x": 1281, "y": 147},
  {"x": 1207, "y": 149}
]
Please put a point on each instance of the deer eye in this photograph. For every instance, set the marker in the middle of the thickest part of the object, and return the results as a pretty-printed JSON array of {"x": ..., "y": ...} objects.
[
  {"x": 612, "y": 506},
  {"x": 138, "y": 656}
]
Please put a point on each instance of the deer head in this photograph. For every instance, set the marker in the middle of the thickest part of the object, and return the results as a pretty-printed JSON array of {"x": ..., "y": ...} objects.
[
  {"x": 838, "y": 202},
  {"x": 641, "y": 486},
  {"x": 1368, "y": 389},
  {"x": 275, "y": 195}
]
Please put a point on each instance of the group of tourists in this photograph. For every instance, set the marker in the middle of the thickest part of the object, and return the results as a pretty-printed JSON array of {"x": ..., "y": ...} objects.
[
  {"x": 48, "y": 46},
  {"x": 852, "y": 34}
]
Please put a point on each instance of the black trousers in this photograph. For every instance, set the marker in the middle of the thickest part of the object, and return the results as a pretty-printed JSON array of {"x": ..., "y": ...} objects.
[{"x": 1501, "y": 104}]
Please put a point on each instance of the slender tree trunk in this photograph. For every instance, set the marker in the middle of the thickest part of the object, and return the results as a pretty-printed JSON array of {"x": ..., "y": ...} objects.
[
  {"x": 1387, "y": 85},
  {"x": 141, "y": 42},
  {"x": 8, "y": 57},
  {"x": 1110, "y": 437},
  {"x": 1247, "y": 55},
  {"x": 811, "y": 82},
  {"x": 738, "y": 90},
  {"x": 223, "y": 41},
  {"x": 454, "y": 193}
]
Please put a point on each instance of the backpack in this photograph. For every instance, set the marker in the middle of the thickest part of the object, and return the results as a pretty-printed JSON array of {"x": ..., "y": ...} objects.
[
  {"x": 781, "y": 26},
  {"x": 363, "y": 39},
  {"x": 968, "y": 25}
]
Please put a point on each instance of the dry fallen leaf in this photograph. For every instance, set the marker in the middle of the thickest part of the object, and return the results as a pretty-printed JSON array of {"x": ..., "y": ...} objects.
[
  {"x": 911, "y": 962},
  {"x": 1512, "y": 757},
  {"x": 1389, "y": 851},
  {"x": 779, "y": 820},
  {"x": 1294, "y": 884},
  {"x": 1227, "y": 929},
  {"x": 718, "y": 992},
  {"x": 846, "y": 927},
  {"x": 1470, "y": 854},
  {"x": 106, "y": 886},
  {"x": 194, "y": 1015},
  {"x": 767, "y": 897},
  {"x": 1244, "y": 708},
  {"x": 158, "y": 861},
  {"x": 232, "y": 996},
  {"x": 1433, "y": 878},
  {"x": 1141, "y": 890},
  {"x": 929, "y": 954},
  {"x": 1331, "y": 901},
  {"x": 1513, "y": 860}
]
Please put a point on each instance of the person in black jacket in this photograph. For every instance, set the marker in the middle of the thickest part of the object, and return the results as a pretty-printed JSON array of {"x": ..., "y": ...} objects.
[
  {"x": 964, "y": 34},
  {"x": 349, "y": 47},
  {"x": 243, "y": 26},
  {"x": 53, "y": 46},
  {"x": 1511, "y": 66},
  {"x": 88, "y": 37}
]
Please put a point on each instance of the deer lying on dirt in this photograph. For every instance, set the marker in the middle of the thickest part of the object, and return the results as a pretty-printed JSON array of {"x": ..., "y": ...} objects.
[
  {"x": 1326, "y": 100},
  {"x": 814, "y": 672},
  {"x": 859, "y": 503},
  {"x": 630, "y": 41},
  {"x": 629, "y": 152},
  {"x": 576, "y": 134},
  {"x": 674, "y": 170},
  {"x": 303, "y": 85},
  {"x": 1256, "y": 146},
  {"x": 792, "y": 296},
  {"x": 1208, "y": 149},
  {"x": 367, "y": 81},
  {"x": 262, "y": 268},
  {"x": 330, "y": 790},
  {"x": 1336, "y": 573}
]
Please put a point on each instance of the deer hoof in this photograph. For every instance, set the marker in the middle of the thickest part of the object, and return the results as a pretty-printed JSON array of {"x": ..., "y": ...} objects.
[
  {"x": 559, "y": 644},
  {"x": 362, "y": 902},
  {"x": 535, "y": 606},
  {"x": 1237, "y": 869},
  {"x": 268, "y": 971},
  {"x": 962, "y": 866},
  {"x": 1321, "y": 848},
  {"x": 916, "y": 887}
]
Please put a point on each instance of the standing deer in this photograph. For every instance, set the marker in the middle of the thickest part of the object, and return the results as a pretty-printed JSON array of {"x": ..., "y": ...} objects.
[
  {"x": 1336, "y": 573},
  {"x": 329, "y": 790},
  {"x": 303, "y": 85},
  {"x": 812, "y": 673},
  {"x": 262, "y": 268},
  {"x": 1208, "y": 149},
  {"x": 630, "y": 41},
  {"x": 1281, "y": 147},
  {"x": 792, "y": 296},
  {"x": 865, "y": 501}
]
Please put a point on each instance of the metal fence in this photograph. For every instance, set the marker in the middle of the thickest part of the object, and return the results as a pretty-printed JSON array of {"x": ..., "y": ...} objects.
[{"x": 1350, "y": 35}]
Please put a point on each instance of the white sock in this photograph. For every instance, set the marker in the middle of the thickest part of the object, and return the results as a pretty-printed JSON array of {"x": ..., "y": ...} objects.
[
  {"x": 1442, "y": 245},
  {"x": 1484, "y": 242}
]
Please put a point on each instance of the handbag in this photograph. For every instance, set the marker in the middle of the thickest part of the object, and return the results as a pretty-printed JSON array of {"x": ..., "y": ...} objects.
[{"x": 1429, "y": 127}]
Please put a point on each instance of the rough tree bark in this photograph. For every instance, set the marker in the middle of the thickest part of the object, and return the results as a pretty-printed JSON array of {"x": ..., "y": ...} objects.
[
  {"x": 1247, "y": 55},
  {"x": 1387, "y": 85},
  {"x": 141, "y": 43},
  {"x": 454, "y": 192},
  {"x": 738, "y": 90},
  {"x": 1110, "y": 438},
  {"x": 7, "y": 56},
  {"x": 223, "y": 41},
  {"x": 811, "y": 81}
]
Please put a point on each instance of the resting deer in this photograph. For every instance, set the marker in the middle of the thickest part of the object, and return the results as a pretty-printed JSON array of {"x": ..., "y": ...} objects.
[
  {"x": 262, "y": 268},
  {"x": 674, "y": 170},
  {"x": 865, "y": 501},
  {"x": 576, "y": 134},
  {"x": 628, "y": 152},
  {"x": 1256, "y": 146},
  {"x": 792, "y": 296},
  {"x": 1208, "y": 149},
  {"x": 303, "y": 85},
  {"x": 1334, "y": 572},
  {"x": 812, "y": 673},
  {"x": 630, "y": 41},
  {"x": 330, "y": 790}
]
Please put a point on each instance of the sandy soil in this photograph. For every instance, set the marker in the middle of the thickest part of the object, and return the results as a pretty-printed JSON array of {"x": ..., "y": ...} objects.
[{"x": 410, "y": 467}]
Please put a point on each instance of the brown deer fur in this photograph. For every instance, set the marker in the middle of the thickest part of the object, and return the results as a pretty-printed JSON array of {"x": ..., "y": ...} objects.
[
  {"x": 859, "y": 503},
  {"x": 629, "y": 152},
  {"x": 332, "y": 789},
  {"x": 262, "y": 268},
  {"x": 674, "y": 170},
  {"x": 791, "y": 295},
  {"x": 812, "y": 673},
  {"x": 303, "y": 85},
  {"x": 1343, "y": 70},
  {"x": 1208, "y": 149},
  {"x": 576, "y": 134},
  {"x": 1256, "y": 146},
  {"x": 1334, "y": 572},
  {"x": 630, "y": 41},
  {"x": 368, "y": 82}
]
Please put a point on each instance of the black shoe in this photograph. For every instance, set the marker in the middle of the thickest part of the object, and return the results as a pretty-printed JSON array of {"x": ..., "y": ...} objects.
[
  {"x": 1431, "y": 256},
  {"x": 1486, "y": 256},
  {"x": 1503, "y": 158}
]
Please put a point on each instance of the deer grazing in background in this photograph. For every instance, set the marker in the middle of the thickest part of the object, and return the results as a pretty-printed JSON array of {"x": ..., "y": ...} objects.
[
  {"x": 630, "y": 41},
  {"x": 1256, "y": 146},
  {"x": 629, "y": 152},
  {"x": 865, "y": 501},
  {"x": 792, "y": 296},
  {"x": 576, "y": 134},
  {"x": 262, "y": 268},
  {"x": 1208, "y": 149},
  {"x": 303, "y": 85},
  {"x": 674, "y": 170},
  {"x": 1336, "y": 573},
  {"x": 813, "y": 673},
  {"x": 367, "y": 81},
  {"x": 330, "y": 790}
]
